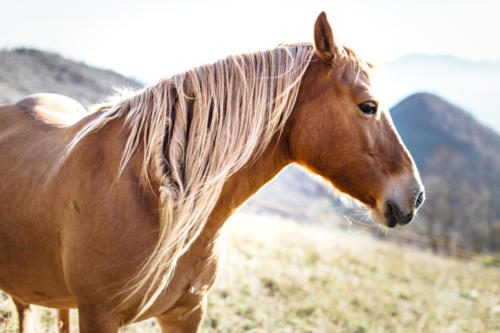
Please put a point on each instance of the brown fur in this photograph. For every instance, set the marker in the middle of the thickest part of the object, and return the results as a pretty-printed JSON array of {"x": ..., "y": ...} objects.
[
  {"x": 56, "y": 110},
  {"x": 73, "y": 236}
]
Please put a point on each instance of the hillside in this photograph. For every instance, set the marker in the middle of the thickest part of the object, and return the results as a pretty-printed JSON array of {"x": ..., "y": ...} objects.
[
  {"x": 280, "y": 276},
  {"x": 26, "y": 71},
  {"x": 427, "y": 122}
]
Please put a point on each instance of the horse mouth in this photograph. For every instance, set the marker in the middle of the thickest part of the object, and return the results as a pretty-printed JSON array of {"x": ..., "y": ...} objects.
[
  {"x": 391, "y": 216},
  {"x": 391, "y": 223},
  {"x": 394, "y": 216}
]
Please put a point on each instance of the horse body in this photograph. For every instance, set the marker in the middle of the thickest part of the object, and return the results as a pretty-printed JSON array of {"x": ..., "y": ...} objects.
[
  {"x": 23, "y": 148},
  {"x": 90, "y": 235},
  {"x": 73, "y": 234}
]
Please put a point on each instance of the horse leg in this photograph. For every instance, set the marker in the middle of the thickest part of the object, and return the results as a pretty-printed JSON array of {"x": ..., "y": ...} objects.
[
  {"x": 97, "y": 319},
  {"x": 63, "y": 321},
  {"x": 23, "y": 315},
  {"x": 189, "y": 322}
]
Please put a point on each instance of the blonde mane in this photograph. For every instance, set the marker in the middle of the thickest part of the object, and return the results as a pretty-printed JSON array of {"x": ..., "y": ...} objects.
[{"x": 196, "y": 129}]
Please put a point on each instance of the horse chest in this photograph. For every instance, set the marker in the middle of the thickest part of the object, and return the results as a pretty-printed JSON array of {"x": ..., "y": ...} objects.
[
  {"x": 198, "y": 274},
  {"x": 194, "y": 276}
]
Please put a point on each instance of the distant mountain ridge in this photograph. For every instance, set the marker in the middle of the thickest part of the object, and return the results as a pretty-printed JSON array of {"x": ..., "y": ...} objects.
[
  {"x": 440, "y": 59},
  {"x": 25, "y": 71},
  {"x": 472, "y": 84},
  {"x": 427, "y": 122}
]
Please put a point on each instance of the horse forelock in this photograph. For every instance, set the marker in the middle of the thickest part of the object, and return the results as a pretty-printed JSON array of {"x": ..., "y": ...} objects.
[{"x": 196, "y": 129}]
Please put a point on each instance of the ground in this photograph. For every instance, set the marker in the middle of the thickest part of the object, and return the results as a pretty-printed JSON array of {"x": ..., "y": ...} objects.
[{"x": 281, "y": 276}]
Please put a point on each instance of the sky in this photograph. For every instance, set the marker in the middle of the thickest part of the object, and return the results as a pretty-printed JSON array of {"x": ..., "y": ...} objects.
[{"x": 152, "y": 39}]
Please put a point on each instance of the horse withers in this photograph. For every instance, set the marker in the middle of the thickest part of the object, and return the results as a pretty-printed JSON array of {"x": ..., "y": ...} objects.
[{"x": 119, "y": 213}]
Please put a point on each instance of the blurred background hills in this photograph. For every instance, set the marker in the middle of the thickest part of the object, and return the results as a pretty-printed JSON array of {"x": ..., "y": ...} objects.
[
  {"x": 473, "y": 85},
  {"x": 458, "y": 156},
  {"x": 25, "y": 71}
]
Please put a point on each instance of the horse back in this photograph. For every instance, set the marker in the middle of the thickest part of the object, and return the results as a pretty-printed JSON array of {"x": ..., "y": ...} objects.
[{"x": 54, "y": 109}]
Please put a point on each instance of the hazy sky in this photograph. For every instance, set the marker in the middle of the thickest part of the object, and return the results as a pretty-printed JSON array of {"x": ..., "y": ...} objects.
[{"x": 149, "y": 39}]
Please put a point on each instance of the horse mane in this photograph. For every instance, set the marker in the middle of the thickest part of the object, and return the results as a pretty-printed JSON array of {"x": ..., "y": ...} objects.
[{"x": 196, "y": 130}]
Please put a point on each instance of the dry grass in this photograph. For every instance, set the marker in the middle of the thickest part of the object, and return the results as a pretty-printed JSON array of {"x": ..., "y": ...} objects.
[{"x": 283, "y": 277}]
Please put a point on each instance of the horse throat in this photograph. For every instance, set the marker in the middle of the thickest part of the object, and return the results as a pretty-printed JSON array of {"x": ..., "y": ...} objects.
[{"x": 247, "y": 181}]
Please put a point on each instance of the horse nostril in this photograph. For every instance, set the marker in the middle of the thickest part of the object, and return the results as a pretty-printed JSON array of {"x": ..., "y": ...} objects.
[
  {"x": 409, "y": 217},
  {"x": 420, "y": 199}
]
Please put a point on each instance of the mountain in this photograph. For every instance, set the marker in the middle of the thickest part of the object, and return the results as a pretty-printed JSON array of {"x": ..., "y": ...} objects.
[
  {"x": 26, "y": 71},
  {"x": 473, "y": 85},
  {"x": 427, "y": 123},
  {"x": 445, "y": 140}
]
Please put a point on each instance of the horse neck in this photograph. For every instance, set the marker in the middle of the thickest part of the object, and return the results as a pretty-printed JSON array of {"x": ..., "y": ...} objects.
[
  {"x": 236, "y": 190},
  {"x": 247, "y": 181}
]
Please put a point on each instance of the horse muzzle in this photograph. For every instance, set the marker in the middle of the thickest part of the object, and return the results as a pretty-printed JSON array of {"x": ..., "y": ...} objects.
[{"x": 402, "y": 214}]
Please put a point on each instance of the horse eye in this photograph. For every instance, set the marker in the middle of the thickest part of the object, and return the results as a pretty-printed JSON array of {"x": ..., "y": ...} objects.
[{"x": 368, "y": 107}]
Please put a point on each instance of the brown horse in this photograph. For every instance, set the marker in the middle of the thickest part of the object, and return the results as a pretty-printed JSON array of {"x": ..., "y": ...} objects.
[{"x": 119, "y": 214}]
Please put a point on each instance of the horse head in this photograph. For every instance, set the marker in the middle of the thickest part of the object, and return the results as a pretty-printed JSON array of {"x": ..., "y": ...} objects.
[{"x": 339, "y": 130}]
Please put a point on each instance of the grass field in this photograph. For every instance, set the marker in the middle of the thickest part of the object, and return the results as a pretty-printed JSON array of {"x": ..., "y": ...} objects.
[{"x": 280, "y": 276}]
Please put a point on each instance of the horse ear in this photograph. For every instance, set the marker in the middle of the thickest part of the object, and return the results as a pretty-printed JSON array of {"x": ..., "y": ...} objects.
[{"x": 324, "y": 42}]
